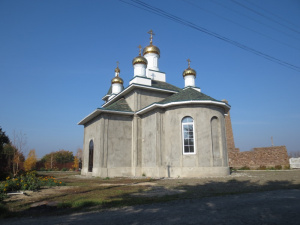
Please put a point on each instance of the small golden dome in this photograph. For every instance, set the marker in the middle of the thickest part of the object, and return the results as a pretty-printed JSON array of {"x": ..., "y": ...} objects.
[
  {"x": 151, "y": 49},
  {"x": 117, "y": 79},
  {"x": 139, "y": 60},
  {"x": 189, "y": 71},
  {"x": 117, "y": 70}
]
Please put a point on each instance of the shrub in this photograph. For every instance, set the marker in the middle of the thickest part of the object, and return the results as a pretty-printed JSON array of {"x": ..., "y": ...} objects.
[
  {"x": 287, "y": 167},
  {"x": 244, "y": 168},
  {"x": 262, "y": 168},
  {"x": 278, "y": 167},
  {"x": 28, "y": 181},
  {"x": 64, "y": 169}
]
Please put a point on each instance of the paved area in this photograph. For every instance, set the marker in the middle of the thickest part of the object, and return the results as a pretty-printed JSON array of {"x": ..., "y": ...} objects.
[{"x": 272, "y": 207}]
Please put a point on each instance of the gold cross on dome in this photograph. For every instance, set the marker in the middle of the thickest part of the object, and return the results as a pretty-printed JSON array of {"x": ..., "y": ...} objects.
[
  {"x": 189, "y": 62},
  {"x": 117, "y": 63},
  {"x": 151, "y": 35},
  {"x": 140, "y": 47}
]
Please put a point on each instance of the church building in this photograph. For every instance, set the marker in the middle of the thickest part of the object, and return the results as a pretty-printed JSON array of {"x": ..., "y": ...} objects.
[{"x": 153, "y": 128}]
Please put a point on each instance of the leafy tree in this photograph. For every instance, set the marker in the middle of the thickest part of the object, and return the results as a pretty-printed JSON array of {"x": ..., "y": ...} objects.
[
  {"x": 48, "y": 161},
  {"x": 76, "y": 163},
  {"x": 63, "y": 156},
  {"x": 11, "y": 152},
  {"x": 52, "y": 159},
  {"x": 4, "y": 141},
  {"x": 31, "y": 160}
]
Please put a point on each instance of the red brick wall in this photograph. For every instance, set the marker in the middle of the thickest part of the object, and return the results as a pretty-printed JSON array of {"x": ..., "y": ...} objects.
[{"x": 267, "y": 156}]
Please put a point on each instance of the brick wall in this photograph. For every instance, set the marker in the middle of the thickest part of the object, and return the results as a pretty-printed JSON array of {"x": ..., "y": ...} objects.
[{"x": 266, "y": 156}]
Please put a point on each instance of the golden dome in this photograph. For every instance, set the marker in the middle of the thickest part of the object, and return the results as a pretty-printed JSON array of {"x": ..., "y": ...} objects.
[
  {"x": 117, "y": 79},
  {"x": 117, "y": 70},
  {"x": 151, "y": 49},
  {"x": 189, "y": 71},
  {"x": 139, "y": 60}
]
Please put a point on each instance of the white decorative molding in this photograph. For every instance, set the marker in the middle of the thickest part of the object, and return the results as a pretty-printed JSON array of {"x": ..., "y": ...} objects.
[
  {"x": 141, "y": 80},
  {"x": 156, "y": 75}
]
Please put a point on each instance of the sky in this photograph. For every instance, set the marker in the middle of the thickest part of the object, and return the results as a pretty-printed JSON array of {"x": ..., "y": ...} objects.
[{"x": 57, "y": 59}]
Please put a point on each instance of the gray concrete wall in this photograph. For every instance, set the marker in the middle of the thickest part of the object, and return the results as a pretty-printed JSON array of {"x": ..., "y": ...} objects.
[
  {"x": 119, "y": 141},
  {"x": 149, "y": 137},
  {"x": 140, "y": 98},
  {"x": 162, "y": 143},
  {"x": 92, "y": 131},
  {"x": 203, "y": 156},
  {"x": 152, "y": 144},
  {"x": 148, "y": 97}
]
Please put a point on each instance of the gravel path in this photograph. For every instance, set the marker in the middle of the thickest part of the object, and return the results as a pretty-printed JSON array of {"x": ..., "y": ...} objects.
[{"x": 271, "y": 207}]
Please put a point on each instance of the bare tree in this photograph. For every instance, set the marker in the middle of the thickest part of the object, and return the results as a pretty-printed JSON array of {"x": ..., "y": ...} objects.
[
  {"x": 19, "y": 141},
  {"x": 79, "y": 154},
  {"x": 295, "y": 154}
]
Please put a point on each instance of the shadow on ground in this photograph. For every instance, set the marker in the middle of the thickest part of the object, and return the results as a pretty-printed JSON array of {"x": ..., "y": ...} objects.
[{"x": 165, "y": 190}]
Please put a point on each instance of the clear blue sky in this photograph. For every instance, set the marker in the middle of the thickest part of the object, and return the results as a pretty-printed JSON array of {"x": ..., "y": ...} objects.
[{"x": 57, "y": 59}]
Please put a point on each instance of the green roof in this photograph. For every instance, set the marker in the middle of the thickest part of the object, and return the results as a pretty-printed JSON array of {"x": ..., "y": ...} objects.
[
  {"x": 187, "y": 94},
  {"x": 164, "y": 85},
  {"x": 120, "y": 105}
]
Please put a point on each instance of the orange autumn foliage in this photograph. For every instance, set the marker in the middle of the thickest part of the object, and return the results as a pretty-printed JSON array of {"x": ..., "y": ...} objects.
[{"x": 31, "y": 160}]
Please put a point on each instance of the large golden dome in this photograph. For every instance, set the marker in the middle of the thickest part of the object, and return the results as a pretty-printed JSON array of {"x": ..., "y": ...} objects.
[
  {"x": 117, "y": 79},
  {"x": 139, "y": 60},
  {"x": 151, "y": 49}
]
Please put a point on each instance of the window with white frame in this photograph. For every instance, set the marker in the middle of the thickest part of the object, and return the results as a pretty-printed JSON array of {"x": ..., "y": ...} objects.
[{"x": 188, "y": 135}]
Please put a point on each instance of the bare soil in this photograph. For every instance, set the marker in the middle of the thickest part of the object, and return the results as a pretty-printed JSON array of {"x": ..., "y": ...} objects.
[{"x": 115, "y": 192}]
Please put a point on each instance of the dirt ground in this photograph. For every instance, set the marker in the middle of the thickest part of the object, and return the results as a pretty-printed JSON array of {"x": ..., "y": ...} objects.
[
  {"x": 268, "y": 207},
  {"x": 264, "y": 186},
  {"x": 237, "y": 182}
]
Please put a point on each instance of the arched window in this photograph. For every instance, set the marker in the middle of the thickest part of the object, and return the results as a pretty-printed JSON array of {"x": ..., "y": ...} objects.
[
  {"x": 91, "y": 155},
  {"x": 188, "y": 135}
]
